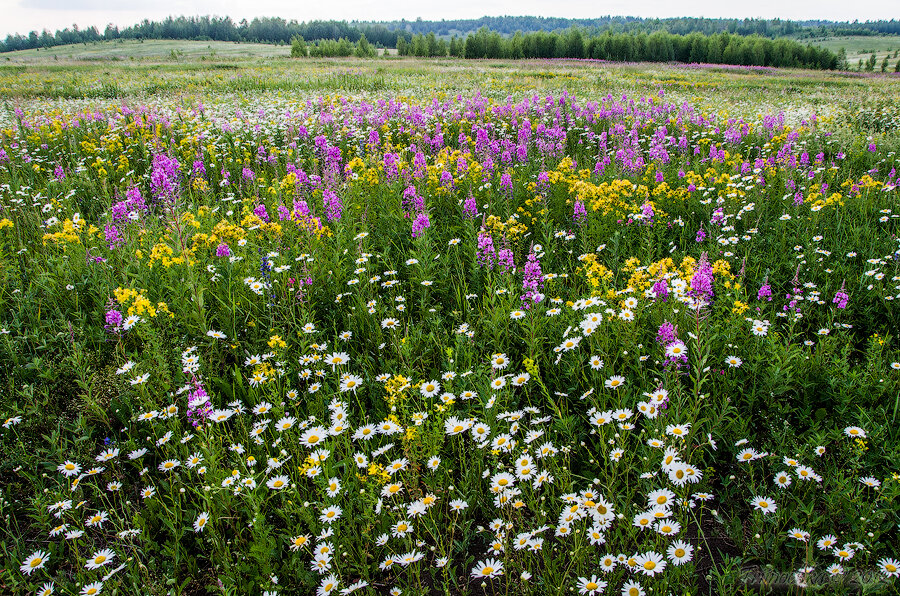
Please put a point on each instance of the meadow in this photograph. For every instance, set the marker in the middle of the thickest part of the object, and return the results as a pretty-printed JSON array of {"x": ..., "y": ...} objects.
[{"x": 433, "y": 327}]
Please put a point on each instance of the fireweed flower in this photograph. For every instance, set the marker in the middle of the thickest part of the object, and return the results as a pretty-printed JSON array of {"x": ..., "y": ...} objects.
[
  {"x": 841, "y": 297},
  {"x": 164, "y": 178},
  {"x": 702, "y": 281},
  {"x": 579, "y": 214},
  {"x": 533, "y": 280},
  {"x": 486, "y": 253}
]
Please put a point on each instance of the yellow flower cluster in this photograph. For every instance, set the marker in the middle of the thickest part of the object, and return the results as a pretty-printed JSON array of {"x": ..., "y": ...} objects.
[{"x": 137, "y": 303}]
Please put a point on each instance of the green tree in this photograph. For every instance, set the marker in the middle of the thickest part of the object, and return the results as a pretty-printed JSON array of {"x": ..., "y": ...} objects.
[
  {"x": 298, "y": 47},
  {"x": 363, "y": 48}
]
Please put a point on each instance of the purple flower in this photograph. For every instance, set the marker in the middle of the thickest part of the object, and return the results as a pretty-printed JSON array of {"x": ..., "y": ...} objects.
[
  {"x": 485, "y": 253},
  {"x": 119, "y": 210},
  {"x": 505, "y": 259},
  {"x": 666, "y": 334},
  {"x": 579, "y": 213},
  {"x": 199, "y": 169},
  {"x": 702, "y": 281},
  {"x": 420, "y": 224},
  {"x": 333, "y": 206},
  {"x": 164, "y": 178},
  {"x": 532, "y": 280},
  {"x": 223, "y": 250},
  {"x": 701, "y": 235},
  {"x": 470, "y": 208},
  {"x": 841, "y": 297},
  {"x": 260, "y": 212},
  {"x": 765, "y": 291},
  {"x": 114, "y": 319},
  {"x": 661, "y": 289},
  {"x": 113, "y": 240},
  {"x": 134, "y": 199},
  {"x": 199, "y": 405}
]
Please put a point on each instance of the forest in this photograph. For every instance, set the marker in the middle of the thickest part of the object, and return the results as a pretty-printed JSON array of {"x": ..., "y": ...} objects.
[{"x": 388, "y": 33}]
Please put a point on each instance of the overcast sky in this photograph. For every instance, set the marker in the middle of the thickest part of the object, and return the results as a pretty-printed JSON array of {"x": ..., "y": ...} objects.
[{"x": 22, "y": 16}]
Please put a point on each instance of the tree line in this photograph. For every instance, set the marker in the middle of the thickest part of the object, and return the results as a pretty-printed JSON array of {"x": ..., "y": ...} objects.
[
  {"x": 721, "y": 48},
  {"x": 342, "y": 38},
  {"x": 206, "y": 28},
  {"x": 772, "y": 28},
  {"x": 388, "y": 33}
]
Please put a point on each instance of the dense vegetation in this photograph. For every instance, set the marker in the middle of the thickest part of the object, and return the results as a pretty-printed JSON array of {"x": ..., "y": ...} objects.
[
  {"x": 419, "y": 328},
  {"x": 723, "y": 48}
]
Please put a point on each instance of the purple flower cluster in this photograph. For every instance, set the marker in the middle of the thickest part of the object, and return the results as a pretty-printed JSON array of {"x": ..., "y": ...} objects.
[
  {"x": 114, "y": 320},
  {"x": 470, "y": 208},
  {"x": 505, "y": 260},
  {"x": 661, "y": 289},
  {"x": 841, "y": 298},
  {"x": 765, "y": 291},
  {"x": 486, "y": 254},
  {"x": 702, "y": 281},
  {"x": 112, "y": 237},
  {"x": 579, "y": 213},
  {"x": 675, "y": 350},
  {"x": 532, "y": 280},
  {"x": 199, "y": 405},
  {"x": 164, "y": 178},
  {"x": 420, "y": 224},
  {"x": 260, "y": 212},
  {"x": 334, "y": 208}
]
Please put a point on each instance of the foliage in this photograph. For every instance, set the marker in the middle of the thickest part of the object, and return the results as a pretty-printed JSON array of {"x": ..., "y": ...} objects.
[{"x": 428, "y": 331}]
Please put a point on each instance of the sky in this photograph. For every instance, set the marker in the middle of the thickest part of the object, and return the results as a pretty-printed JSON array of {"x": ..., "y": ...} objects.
[{"x": 22, "y": 16}]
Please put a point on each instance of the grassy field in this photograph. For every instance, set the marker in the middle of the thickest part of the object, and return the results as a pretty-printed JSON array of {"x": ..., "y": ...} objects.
[
  {"x": 149, "y": 50},
  {"x": 861, "y": 47},
  {"x": 443, "y": 327}
]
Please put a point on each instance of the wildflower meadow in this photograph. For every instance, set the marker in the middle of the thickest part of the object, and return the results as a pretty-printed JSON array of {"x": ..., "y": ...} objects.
[{"x": 422, "y": 327}]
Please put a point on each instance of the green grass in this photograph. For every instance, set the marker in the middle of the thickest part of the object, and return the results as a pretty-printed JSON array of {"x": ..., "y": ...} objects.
[
  {"x": 150, "y": 50},
  {"x": 241, "y": 279},
  {"x": 861, "y": 47}
]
